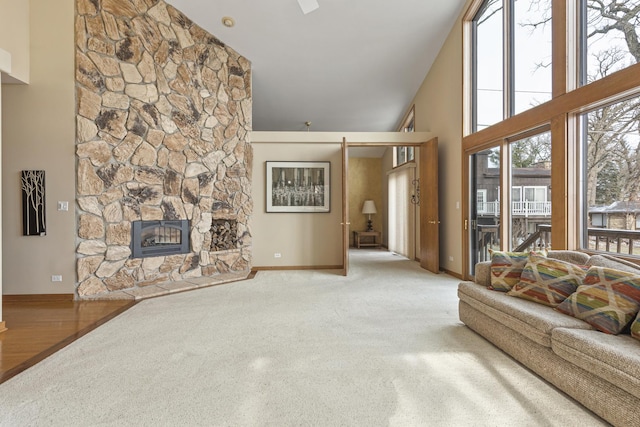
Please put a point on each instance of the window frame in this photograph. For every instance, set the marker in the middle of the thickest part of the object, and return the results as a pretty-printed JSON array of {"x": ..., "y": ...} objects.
[
  {"x": 408, "y": 125},
  {"x": 508, "y": 61},
  {"x": 560, "y": 113},
  {"x": 481, "y": 192}
]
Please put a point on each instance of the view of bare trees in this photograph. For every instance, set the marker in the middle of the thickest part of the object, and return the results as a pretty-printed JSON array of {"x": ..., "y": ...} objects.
[
  {"x": 33, "y": 202},
  {"x": 613, "y": 132}
]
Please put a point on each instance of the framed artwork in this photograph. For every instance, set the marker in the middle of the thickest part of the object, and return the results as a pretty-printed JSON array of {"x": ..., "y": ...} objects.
[
  {"x": 298, "y": 186},
  {"x": 33, "y": 212}
]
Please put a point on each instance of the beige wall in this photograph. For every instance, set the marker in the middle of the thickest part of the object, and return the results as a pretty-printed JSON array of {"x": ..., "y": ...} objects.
[
  {"x": 387, "y": 165},
  {"x": 39, "y": 133},
  {"x": 303, "y": 239},
  {"x": 439, "y": 110},
  {"x": 1, "y": 69},
  {"x": 14, "y": 38},
  {"x": 296, "y": 233},
  {"x": 365, "y": 183}
]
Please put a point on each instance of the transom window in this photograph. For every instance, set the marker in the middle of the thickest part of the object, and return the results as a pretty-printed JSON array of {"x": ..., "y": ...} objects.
[
  {"x": 404, "y": 155},
  {"x": 512, "y": 59},
  {"x": 610, "y": 37}
]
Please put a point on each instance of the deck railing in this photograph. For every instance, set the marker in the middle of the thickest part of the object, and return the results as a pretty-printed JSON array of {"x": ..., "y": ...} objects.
[
  {"x": 599, "y": 239},
  {"x": 525, "y": 209},
  {"x": 617, "y": 241},
  {"x": 539, "y": 240}
]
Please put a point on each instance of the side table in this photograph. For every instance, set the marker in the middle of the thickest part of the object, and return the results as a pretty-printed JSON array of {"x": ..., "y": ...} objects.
[{"x": 374, "y": 242}]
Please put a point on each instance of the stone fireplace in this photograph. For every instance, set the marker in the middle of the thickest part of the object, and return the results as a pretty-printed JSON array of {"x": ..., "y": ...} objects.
[{"x": 163, "y": 116}]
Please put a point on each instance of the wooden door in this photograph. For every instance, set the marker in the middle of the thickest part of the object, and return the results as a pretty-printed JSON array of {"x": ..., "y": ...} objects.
[
  {"x": 345, "y": 207},
  {"x": 429, "y": 217}
]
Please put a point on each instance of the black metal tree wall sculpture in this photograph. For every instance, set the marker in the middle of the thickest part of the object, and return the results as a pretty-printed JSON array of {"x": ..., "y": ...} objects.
[{"x": 33, "y": 212}]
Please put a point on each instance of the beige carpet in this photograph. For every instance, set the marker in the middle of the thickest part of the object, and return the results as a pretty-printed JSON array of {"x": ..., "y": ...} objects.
[{"x": 381, "y": 347}]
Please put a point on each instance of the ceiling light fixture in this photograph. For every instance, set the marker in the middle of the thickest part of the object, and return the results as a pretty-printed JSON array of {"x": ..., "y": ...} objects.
[
  {"x": 308, "y": 6},
  {"x": 228, "y": 21}
]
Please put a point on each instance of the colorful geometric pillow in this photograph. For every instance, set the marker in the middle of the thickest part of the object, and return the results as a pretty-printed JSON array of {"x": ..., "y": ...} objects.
[
  {"x": 607, "y": 299},
  {"x": 548, "y": 281},
  {"x": 506, "y": 268},
  {"x": 635, "y": 328}
]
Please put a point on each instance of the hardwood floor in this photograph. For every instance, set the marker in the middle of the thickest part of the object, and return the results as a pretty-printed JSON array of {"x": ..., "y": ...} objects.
[{"x": 37, "y": 328}]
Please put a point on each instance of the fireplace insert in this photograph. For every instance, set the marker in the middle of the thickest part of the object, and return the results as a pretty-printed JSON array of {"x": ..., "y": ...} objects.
[{"x": 159, "y": 238}]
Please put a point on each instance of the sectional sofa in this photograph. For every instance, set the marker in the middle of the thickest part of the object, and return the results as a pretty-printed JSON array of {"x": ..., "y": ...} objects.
[{"x": 599, "y": 370}]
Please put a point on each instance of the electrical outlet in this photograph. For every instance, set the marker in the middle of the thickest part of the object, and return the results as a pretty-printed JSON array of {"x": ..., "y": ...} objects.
[
  {"x": 56, "y": 278},
  {"x": 277, "y": 255},
  {"x": 450, "y": 258},
  {"x": 63, "y": 206}
]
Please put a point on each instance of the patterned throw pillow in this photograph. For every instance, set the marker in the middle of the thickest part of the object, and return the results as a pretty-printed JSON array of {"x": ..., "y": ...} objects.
[
  {"x": 548, "y": 281},
  {"x": 635, "y": 328},
  {"x": 607, "y": 299},
  {"x": 506, "y": 268}
]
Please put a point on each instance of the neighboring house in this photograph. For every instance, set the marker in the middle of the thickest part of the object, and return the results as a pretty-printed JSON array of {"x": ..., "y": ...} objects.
[
  {"x": 618, "y": 216},
  {"x": 530, "y": 197}
]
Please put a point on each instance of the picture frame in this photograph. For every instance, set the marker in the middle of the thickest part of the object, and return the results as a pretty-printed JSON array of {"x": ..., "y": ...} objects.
[
  {"x": 298, "y": 186},
  {"x": 34, "y": 222}
]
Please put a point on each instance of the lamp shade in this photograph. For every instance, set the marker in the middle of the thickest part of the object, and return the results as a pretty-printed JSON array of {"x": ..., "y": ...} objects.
[{"x": 369, "y": 207}]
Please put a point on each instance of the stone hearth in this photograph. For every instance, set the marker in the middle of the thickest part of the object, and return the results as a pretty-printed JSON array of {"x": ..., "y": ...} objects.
[{"x": 163, "y": 115}]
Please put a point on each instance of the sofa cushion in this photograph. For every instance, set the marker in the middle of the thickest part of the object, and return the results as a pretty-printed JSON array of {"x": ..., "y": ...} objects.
[
  {"x": 534, "y": 321},
  {"x": 574, "y": 257},
  {"x": 506, "y": 268},
  {"x": 635, "y": 328},
  {"x": 610, "y": 261},
  {"x": 548, "y": 281},
  {"x": 612, "y": 358},
  {"x": 483, "y": 273},
  {"x": 607, "y": 299}
]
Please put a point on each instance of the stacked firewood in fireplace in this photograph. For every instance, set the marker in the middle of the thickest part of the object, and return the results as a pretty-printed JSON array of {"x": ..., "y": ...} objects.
[{"x": 224, "y": 234}]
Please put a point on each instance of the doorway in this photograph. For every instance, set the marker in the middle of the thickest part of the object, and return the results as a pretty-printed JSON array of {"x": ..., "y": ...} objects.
[{"x": 427, "y": 217}]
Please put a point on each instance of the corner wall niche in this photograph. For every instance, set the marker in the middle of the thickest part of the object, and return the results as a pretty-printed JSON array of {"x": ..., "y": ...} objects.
[
  {"x": 163, "y": 116},
  {"x": 224, "y": 234}
]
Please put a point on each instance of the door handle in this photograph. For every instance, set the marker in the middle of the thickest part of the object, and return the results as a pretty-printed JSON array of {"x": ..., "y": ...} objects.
[{"x": 433, "y": 222}]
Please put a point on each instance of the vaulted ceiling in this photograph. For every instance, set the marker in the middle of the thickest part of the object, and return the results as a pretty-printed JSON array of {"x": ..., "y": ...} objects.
[{"x": 349, "y": 65}]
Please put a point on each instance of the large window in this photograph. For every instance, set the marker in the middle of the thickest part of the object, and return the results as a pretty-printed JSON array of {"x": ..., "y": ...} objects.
[
  {"x": 610, "y": 37},
  {"x": 530, "y": 191},
  {"x": 485, "y": 209},
  {"x": 488, "y": 75},
  {"x": 512, "y": 59},
  {"x": 611, "y": 143},
  {"x": 591, "y": 197}
]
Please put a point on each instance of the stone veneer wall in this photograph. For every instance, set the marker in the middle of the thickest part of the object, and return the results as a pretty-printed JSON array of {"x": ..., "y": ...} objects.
[{"x": 163, "y": 115}]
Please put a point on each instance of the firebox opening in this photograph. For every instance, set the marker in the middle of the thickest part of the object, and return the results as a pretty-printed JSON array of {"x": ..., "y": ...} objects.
[{"x": 159, "y": 238}]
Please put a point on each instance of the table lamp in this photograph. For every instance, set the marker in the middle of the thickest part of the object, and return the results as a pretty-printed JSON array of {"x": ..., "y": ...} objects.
[{"x": 369, "y": 208}]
